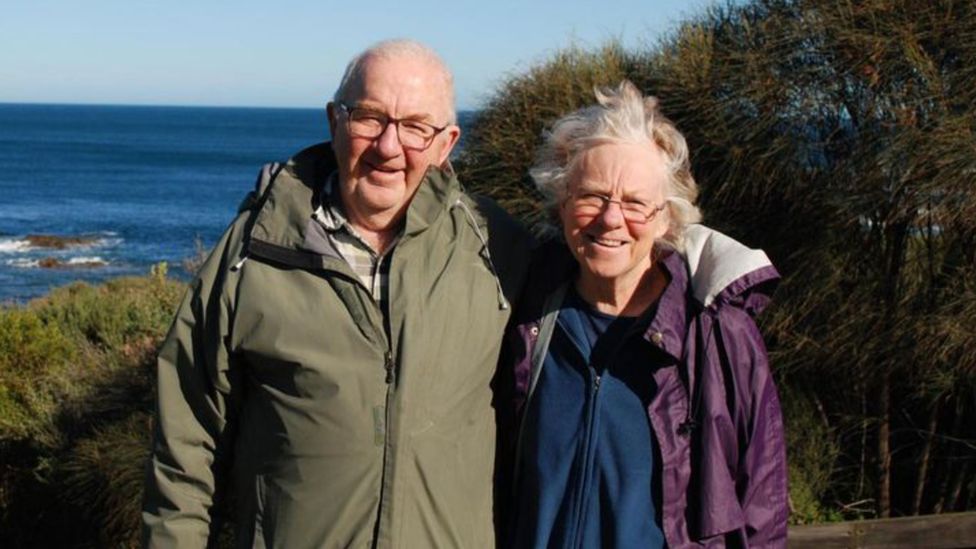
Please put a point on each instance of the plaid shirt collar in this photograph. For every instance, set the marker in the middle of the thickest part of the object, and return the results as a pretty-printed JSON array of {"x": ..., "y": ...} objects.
[{"x": 371, "y": 267}]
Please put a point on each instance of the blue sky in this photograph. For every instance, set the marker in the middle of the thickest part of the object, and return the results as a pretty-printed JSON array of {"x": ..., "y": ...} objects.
[{"x": 288, "y": 53}]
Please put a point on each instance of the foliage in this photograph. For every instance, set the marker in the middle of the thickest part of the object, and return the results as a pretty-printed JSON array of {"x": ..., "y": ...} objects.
[
  {"x": 35, "y": 375},
  {"x": 812, "y": 454},
  {"x": 106, "y": 471},
  {"x": 116, "y": 317},
  {"x": 76, "y": 380}
]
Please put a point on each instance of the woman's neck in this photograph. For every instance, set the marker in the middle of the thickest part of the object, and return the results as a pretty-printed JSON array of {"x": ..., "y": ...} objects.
[{"x": 623, "y": 296}]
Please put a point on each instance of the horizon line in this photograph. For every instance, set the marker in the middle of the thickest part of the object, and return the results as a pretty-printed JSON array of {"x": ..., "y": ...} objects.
[{"x": 171, "y": 106}]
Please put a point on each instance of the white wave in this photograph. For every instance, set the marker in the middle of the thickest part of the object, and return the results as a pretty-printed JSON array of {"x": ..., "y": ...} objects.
[
  {"x": 86, "y": 260},
  {"x": 108, "y": 242},
  {"x": 23, "y": 263},
  {"x": 10, "y": 245},
  {"x": 21, "y": 244},
  {"x": 56, "y": 263},
  {"x": 100, "y": 242}
]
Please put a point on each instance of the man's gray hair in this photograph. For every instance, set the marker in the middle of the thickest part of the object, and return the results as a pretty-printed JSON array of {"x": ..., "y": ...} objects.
[
  {"x": 622, "y": 115},
  {"x": 391, "y": 49}
]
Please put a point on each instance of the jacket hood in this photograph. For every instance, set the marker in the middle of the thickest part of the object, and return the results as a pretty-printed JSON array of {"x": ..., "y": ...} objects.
[{"x": 722, "y": 269}]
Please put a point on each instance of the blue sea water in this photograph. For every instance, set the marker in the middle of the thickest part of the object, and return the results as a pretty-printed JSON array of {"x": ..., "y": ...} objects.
[{"x": 142, "y": 182}]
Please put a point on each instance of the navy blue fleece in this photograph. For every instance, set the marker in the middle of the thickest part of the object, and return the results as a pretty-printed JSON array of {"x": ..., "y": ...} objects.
[{"x": 586, "y": 469}]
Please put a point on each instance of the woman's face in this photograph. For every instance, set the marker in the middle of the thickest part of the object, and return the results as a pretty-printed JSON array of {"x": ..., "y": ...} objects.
[{"x": 610, "y": 238}]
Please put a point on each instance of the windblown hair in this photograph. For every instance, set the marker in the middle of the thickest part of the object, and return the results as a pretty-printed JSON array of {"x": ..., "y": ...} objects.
[
  {"x": 621, "y": 115},
  {"x": 391, "y": 49}
]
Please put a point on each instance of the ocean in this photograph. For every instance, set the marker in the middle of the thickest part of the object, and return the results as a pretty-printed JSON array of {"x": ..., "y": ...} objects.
[
  {"x": 127, "y": 187},
  {"x": 133, "y": 185}
]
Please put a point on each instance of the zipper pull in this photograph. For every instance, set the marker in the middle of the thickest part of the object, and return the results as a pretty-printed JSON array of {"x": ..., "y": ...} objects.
[
  {"x": 596, "y": 383},
  {"x": 389, "y": 367},
  {"x": 237, "y": 266}
]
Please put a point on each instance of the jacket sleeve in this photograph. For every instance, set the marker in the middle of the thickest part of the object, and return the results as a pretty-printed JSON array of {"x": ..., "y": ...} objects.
[
  {"x": 761, "y": 479},
  {"x": 197, "y": 388}
]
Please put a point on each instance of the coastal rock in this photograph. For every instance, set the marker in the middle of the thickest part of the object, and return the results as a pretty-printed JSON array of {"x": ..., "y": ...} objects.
[
  {"x": 58, "y": 242},
  {"x": 55, "y": 263}
]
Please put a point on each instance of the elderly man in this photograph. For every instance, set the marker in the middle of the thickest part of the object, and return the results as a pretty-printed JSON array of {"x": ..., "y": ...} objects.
[{"x": 331, "y": 364}]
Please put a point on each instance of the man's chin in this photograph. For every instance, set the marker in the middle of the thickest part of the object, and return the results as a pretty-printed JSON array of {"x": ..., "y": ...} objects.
[{"x": 378, "y": 199}]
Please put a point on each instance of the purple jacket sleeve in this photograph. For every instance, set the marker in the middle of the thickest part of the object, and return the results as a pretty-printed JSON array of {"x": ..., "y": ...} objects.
[{"x": 761, "y": 483}]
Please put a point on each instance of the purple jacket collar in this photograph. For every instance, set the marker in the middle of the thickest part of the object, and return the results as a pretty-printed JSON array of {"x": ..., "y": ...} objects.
[{"x": 724, "y": 272}]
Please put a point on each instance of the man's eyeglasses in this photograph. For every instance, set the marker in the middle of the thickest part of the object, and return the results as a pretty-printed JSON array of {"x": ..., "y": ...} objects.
[
  {"x": 414, "y": 135},
  {"x": 634, "y": 211}
]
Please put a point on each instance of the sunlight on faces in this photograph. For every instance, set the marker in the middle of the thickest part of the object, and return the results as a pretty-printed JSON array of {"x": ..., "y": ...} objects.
[
  {"x": 608, "y": 248},
  {"x": 378, "y": 177}
]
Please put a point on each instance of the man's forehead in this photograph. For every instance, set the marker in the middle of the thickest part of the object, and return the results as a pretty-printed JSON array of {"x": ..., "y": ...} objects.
[{"x": 416, "y": 85}]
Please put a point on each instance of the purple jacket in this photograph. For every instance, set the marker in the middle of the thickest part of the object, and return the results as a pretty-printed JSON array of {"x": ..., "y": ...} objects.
[{"x": 723, "y": 459}]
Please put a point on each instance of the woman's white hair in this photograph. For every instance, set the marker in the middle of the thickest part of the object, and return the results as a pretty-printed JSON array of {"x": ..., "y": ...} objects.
[
  {"x": 398, "y": 48},
  {"x": 622, "y": 115}
]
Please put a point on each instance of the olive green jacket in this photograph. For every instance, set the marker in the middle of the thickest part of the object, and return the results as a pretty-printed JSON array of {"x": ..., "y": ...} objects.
[{"x": 334, "y": 426}]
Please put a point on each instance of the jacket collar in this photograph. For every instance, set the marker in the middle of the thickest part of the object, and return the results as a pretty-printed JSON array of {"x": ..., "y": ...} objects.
[
  {"x": 285, "y": 218},
  {"x": 669, "y": 326},
  {"x": 713, "y": 270},
  {"x": 722, "y": 269}
]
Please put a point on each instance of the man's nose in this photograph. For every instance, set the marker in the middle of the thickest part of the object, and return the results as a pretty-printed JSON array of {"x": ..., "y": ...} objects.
[{"x": 388, "y": 142}]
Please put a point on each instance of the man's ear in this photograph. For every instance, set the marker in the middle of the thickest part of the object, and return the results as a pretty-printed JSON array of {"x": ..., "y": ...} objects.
[
  {"x": 453, "y": 134},
  {"x": 330, "y": 111}
]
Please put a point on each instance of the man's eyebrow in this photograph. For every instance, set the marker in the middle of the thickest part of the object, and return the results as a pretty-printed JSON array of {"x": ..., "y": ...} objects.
[{"x": 377, "y": 108}]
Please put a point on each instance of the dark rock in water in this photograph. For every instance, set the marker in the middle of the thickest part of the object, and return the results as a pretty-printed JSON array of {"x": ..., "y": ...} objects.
[
  {"x": 55, "y": 263},
  {"x": 58, "y": 242}
]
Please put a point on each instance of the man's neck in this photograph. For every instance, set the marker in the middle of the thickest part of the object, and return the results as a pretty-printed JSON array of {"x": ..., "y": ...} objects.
[{"x": 379, "y": 240}]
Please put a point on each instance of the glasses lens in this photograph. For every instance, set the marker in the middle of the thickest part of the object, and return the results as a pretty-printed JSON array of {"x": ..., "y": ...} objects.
[
  {"x": 414, "y": 134},
  {"x": 368, "y": 124},
  {"x": 589, "y": 204},
  {"x": 364, "y": 123},
  {"x": 633, "y": 212},
  {"x": 636, "y": 214}
]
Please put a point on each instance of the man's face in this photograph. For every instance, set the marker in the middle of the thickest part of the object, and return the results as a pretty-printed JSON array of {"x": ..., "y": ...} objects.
[{"x": 378, "y": 177}]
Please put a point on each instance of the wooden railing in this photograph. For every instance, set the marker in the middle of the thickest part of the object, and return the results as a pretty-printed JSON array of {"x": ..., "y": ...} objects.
[{"x": 946, "y": 531}]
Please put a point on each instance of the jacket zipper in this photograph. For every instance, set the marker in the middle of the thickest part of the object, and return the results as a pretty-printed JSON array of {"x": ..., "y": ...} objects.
[
  {"x": 389, "y": 366},
  {"x": 386, "y": 490},
  {"x": 589, "y": 451}
]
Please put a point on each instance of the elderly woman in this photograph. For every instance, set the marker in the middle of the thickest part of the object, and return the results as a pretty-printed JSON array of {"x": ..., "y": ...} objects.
[{"x": 648, "y": 416}]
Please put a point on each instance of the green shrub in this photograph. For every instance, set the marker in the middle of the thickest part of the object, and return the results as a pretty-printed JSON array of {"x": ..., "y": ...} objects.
[
  {"x": 76, "y": 387},
  {"x": 35, "y": 362},
  {"x": 812, "y": 455},
  {"x": 118, "y": 316}
]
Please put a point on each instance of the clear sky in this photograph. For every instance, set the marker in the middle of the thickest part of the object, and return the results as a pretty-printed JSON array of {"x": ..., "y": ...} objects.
[{"x": 288, "y": 53}]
